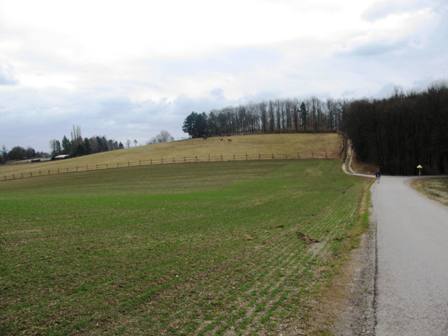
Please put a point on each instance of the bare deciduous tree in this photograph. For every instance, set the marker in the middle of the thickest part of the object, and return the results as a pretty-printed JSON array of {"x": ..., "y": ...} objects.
[{"x": 163, "y": 136}]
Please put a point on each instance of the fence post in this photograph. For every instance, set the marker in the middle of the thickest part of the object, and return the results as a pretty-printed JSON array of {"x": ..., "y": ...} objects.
[
  {"x": 196, "y": 158},
  {"x": 222, "y": 159},
  {"x": 209, "y": 156},
  {"x": 233, "y": 157},
  {"x": 298, "y": 155},
  {"x": 312, "y": 154},
  {"x": 326, "y": 155},
  {"x": 150, "y": 161},
  {"x": 185, "y": 159},
  {"x": 246, "y": 156},
  {"x": 272, "y": 156},
  {"x": 31, "y": 174},
  {"x": 259, "y": 156}
]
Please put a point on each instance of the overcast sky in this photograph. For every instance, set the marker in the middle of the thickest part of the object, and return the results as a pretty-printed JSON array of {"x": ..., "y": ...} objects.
[{"x": 130, "y": 68}]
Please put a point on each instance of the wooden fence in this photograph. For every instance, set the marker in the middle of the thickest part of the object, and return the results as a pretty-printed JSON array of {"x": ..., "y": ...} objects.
[{"x": 148, "y": 162}]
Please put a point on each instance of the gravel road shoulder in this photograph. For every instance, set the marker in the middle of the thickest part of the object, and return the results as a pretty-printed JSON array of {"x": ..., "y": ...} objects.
[{"x": 356, "y": 307}]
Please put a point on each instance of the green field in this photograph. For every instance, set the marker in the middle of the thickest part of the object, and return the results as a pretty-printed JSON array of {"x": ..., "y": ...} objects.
[{"x": 189, "y": 249}]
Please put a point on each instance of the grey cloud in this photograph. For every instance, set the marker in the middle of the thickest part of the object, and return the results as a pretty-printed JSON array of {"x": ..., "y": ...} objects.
[
  {"x": 45, "y": 118},
  {"x": 426, "y": 43},
  {"x": 383, "y": 9},
  {"x": 378, "y": 48},
  {"x": 6, "y": 76}
]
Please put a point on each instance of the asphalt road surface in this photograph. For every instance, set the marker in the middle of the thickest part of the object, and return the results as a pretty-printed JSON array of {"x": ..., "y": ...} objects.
[{"x": 412, "y": 257}]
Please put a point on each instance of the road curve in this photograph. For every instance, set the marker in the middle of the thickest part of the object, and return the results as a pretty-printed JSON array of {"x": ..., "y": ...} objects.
[{"x": 412, "y": 257}]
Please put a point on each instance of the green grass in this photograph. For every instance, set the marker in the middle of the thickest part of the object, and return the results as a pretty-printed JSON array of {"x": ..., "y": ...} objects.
[{"x": 195, "y": 249}]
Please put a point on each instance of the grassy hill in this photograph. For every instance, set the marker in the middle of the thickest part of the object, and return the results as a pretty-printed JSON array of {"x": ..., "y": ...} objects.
[
  {"x": 205, "y": 249},
  {"x": 305, "y": 145}
]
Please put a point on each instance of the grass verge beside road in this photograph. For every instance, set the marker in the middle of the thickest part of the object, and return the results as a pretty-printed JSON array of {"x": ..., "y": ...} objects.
[
  {"x": 196, "y": 249},
  {"x": 434, "y": 188}
]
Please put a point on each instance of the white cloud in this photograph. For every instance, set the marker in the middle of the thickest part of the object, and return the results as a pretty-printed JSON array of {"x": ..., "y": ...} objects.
[{"x": 137, "y": 66}]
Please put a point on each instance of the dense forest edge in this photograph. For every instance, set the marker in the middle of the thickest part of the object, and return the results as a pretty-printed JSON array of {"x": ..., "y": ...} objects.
[
  {"x": 401, "y": 132},
  {"x": 395, "y": 133}
]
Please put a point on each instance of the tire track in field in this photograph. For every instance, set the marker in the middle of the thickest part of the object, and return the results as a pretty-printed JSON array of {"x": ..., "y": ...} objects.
[
  {"x": 291, "y": 290},
  {"x": 286, "y": 262},
  {"x": 276, "y": 293},
  {"x": 277, "y": 252},
  {"x": 264, "y": 277}
]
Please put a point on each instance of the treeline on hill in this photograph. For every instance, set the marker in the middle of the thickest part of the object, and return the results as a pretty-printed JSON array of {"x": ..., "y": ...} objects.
[
  {"x": 285, "y": 115},
  {"x": 19, "y": 153},
  {"x": 77, "y": 145},
  {"x": 401, "y": 132}
]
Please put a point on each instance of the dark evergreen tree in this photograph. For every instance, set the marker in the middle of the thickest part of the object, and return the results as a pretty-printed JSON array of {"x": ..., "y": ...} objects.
[
  {"x": 17, "y": 153},
  {"x": 196, "y": 125},
  {"x": 66, "y": 145},
  {"x": 304, "y": 116}
]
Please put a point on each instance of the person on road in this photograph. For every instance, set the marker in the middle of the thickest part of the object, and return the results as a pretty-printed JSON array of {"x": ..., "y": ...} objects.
[{"x": 378, "y": 175}]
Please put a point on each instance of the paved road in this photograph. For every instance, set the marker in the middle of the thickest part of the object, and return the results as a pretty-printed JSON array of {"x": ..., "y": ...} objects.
[{"x": 412, "y": 278}]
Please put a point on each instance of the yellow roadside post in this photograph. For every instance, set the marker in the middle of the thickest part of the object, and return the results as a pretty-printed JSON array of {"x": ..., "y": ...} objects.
[{"x": 419, "y": 167}]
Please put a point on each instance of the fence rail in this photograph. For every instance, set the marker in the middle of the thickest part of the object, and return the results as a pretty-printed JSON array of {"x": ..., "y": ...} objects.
[{"x": 164, "y": 160}]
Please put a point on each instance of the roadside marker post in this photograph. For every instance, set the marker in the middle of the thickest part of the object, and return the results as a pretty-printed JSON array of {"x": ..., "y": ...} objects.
[{"x": 419, "y": 167}]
